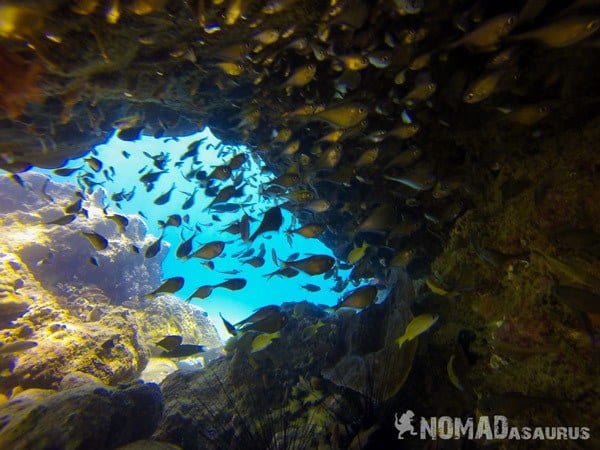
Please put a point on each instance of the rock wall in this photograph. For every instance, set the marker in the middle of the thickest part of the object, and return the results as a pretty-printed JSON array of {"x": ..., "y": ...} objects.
[{"x": 84, "y": 318}]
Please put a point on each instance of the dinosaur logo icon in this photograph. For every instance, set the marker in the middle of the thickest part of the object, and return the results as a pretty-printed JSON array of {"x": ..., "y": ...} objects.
[{"x": 405, "y": 424}]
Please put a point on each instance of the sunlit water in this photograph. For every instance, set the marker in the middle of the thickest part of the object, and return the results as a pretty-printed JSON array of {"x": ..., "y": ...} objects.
[{"x": 259, "y": 291}]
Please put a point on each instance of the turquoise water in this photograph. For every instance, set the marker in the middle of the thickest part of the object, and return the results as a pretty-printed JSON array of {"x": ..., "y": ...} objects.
[{"x": 259, "y": 291}]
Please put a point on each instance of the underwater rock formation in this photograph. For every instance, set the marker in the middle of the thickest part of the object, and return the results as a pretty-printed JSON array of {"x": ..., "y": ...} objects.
[
  {"x": 89, "y": 416},
  {"x": 83, "y": 318},
  {"x": 298, "y": 389}
]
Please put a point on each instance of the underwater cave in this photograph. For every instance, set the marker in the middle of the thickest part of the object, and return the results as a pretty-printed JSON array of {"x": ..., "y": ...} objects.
[{"x": 295, "y": 224}]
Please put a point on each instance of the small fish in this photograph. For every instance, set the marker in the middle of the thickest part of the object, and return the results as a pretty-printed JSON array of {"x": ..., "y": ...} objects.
[
  {"x": 231, "y": 68},
  {"x": 344, "y": 116},
  {"x": 190, "y": 200},
  {"x": 359, "y": 298},
  {"x": 130, "y": 134},
  {"x": 488, "y": 34},
  {"x": 564, "y": 32},
  {"x": 120, "y": 221},
  {"x": 154, "y": 248},
  {"x": 202, "y": 292},
  {"x": 93, "y": 261},
  {"x": 64, "y": 220},
  {"x": 257, "y": 261},
  {"x": 220, "y": 173},
  {"x": 287, "y": 272},
  {"x": 232, "y": 330},
  {"x": 301, "y": 76},
  {"x": 164, "y": 198},
  {"x": 311, "y": 287},
  {"x": 357, "y": 253},
  {"x": 74, "y": 207},
  {"x": 152, "y": 177},
  {"x": 94, "y": 163},
  {"x": 185, "y": 248},
  {"x": 313, "y": 265},
  {"x": 310, "y": 230},
  {"x": 126, "y": 154},
  {"x": 262, "y": 341},
  {"x": 183, "y": 351},
  {"x": 170, "y": 286},
  {"x": 417, "y": 326},
  {"x": 209, "y": 251},
  {"x": 170, "y": 342},
  {"x": 483, "y": 87},
  {"x": 311, "y": 330},
  {"x": 271, "y": 221},
  {"x": 66, "y": 172},
  {"x": 269, "y": 324},
  {"x": 17, "y": 347},
  {"x": 233, "y": 284},
  {"x": 98, "y": 241},
  {"x": 419, "y": 181}
]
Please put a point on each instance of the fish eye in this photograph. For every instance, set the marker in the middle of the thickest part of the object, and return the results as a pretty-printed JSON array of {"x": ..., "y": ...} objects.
[
  {"x": 364, "y": 60},
  {"x": 510, "y": 20},
  {"x": 593, "y": 25},
  {"x": 469, "y": 96},
  {"x": 362, "y": 110}
]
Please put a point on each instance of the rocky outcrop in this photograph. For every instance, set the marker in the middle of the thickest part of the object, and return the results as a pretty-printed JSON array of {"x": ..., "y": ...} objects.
[
  {"x": 85, "y": 417},
  {"x": 83, "y": 318},
  {"x": 326, "y": 377}
]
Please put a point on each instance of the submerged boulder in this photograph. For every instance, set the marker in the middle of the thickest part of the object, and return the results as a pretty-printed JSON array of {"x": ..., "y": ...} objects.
[{"x": 84, "y": 417}]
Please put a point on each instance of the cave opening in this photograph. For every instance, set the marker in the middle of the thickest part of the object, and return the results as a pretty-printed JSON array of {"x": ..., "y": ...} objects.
[{"x": 187, "y": 191}]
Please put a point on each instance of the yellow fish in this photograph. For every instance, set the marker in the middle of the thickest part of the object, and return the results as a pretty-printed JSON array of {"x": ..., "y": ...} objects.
[
  {"x": 301, "y": 76},
  {"x": 344, "y": 116},
  {"x": 357, "y": 253},
  {"x": 262, "y": 341},
  {"x": 230, "y": 68},
  {"x": 482, "y": 87},
  {"x": 417, "y": 326},
  {"x": 563, "y": 33}
]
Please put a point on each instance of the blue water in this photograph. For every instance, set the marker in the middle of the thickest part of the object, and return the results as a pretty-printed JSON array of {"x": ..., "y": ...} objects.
[{"x": 259, "y": 291}]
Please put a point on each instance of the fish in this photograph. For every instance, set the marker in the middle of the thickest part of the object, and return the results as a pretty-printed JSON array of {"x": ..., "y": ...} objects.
[
  {"x": 223, "y": 196},
  {"x": 564, "y": 32},
  {"x": 185, "y": 248},
  {"x": 310, "y": 330},
  {"x": 190, "y": 200},
  {"x": 220, "y": 173},
  {"x": 261, "y": 313},
  {"x": 317, "y": 205},
  {"x": 231, "y": 329},
  {"x": 312, "y": 265},
  {"x": 98, "y": 241},
  {"x": 153, "y": 248},
  {"x": 231, "y": 68},
  {"x": 287, "y": 272},
  {"x": 63, "y": 220},
  {"x": 170, "y": 342},
  {"x": 94, "y": 163},
  {"x": 74, "y": 207},
  {"x": 311, "y": 287},
  {"x": 301, "y": 76},
  {"x": 184, "y": 351},
  {"x": 344, "y": 116},
  {"x": 269, "y": 324},
  {"x": 93, "y": 261},
  {"x": 120, "y": 221},
  {"x": 257, "y": 261},
  {"x": 358, "y": 298},
  {"x": 483, "y": 87},
  {"x": 418, "y": 180},
  {"x": 152, "y": 177},
  {"x": 66, "y": 172},
  {"x": 418, "y": 325},
  {"x": 272, "y": 221},
  {"x": 487, "y": 35},
  {"x": 130, "y": 134},
  {"x": 310, "y": 230},
  {"x": 164, "y": 198},
  {"x": 170, "y": 285},
  {"x": 17, "y": 347},
  {"x": 233, "y": 284},
  {"x": 174, "y": 220},
  {"x": 262, "y": 341},
  {"x": 357, "y": 253},
  {"x": 209, "y": 251},
  {"x": 202, "y": 292}
]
